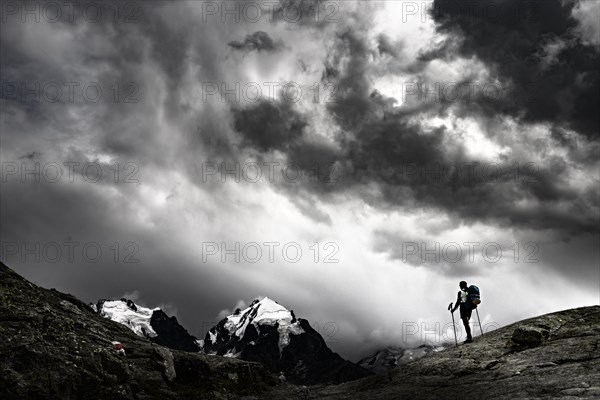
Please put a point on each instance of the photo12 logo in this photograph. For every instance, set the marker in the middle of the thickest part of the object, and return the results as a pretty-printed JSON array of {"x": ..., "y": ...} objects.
[
  {"x": 254, "y": 252},
  {"x": 70, "y": 251},
  {"x": 69, "y": 92},
  {"x": 54, "y": 172},
  {"x": 254, "y": 172},
  {"x": 464, "y": 92},
  {"x": 252, "y": 92},
  {"x": 414, "y": 332},
  {"x": 491, "y": 252},
  {"x": 70, "y": 11},
  {"x": 452, "y": 10},
  {"x": 327, "y": 330},
  {"x": 318, "y": 12},
  {"x": 468, "y": 172}
]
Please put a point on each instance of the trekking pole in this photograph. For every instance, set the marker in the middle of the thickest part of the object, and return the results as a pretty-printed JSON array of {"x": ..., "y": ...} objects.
[
  {"x": 453, "y": 325},
  {"x": 479, "y": 320}
]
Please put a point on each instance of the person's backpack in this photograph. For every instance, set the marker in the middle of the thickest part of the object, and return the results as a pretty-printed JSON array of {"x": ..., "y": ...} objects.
[{"x": 473, "y": 296}]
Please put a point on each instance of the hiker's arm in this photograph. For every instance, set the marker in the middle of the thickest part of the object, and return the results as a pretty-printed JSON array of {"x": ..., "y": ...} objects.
[{"x": 457, "y": 302}]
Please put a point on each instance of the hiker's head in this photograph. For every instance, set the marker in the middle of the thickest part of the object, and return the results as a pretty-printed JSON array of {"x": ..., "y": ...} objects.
[{"x": 462, "y": 285}]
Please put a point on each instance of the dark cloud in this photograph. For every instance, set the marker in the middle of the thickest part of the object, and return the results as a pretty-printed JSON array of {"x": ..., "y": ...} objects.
[
  {"x": 258, "y": 41},
  {"x": 515, "y": 39},
  {"x": 386, "y": 46},
  {"x": 269, "y": 125},
  {"x": 30, "y": 156},
  {"x": 352, "y": 105},
  {"x": 384, "y": 145}
]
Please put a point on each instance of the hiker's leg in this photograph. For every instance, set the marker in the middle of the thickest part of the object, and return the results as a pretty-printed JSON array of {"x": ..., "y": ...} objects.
[{"x": 467, "y": 328}]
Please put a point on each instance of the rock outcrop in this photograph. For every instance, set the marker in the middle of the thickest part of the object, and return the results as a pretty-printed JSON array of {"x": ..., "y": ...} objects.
[
  {"x": 53, "y": 346},
  {"x": 171, "y": 334}
]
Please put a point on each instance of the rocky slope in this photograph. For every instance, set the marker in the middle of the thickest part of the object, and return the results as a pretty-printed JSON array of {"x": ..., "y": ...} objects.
[
  {"x": 268, "y": 333},
  {"x": 554, "y": 356},
  {"x": 53, "y": 346}
]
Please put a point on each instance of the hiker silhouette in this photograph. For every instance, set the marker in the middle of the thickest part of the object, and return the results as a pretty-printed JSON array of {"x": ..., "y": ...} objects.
[{"x": 466, "y": 308}]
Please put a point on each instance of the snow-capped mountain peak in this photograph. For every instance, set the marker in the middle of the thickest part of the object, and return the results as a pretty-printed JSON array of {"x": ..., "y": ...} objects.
[
  {"x": 151, "y": 323},
  {"x": 126, "y": 312},
  {"x": 267, "y": 332},
  {"x": 262, "y": 312}
]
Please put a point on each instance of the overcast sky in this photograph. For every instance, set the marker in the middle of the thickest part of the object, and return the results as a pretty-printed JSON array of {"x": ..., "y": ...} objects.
[{"x": 384, "y": 152}]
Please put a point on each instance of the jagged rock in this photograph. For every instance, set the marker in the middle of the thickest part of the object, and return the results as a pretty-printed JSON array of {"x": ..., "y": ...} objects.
[
  {"x": 525, "y": 337},
  {"x": 53, "y": 346},
  {"x": 171, "y": 334}
]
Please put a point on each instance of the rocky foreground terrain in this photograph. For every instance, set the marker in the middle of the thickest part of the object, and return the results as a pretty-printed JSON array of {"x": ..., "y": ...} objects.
[
  {"x": 554, "y": 356},
  {"x": 53, "y": 346}
]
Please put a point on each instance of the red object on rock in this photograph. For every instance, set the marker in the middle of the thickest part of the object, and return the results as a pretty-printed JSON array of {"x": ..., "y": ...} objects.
[{"x": 119, "y": 347}]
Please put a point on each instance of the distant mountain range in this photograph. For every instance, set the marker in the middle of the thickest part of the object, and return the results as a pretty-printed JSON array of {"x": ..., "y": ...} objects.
[{"x": 265, "y": 332}]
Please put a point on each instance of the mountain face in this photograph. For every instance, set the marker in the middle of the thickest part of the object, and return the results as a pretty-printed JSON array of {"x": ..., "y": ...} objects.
[
  {"x": 392, "y": 357},
  {"x": 53, "y": 346},
  {"x": 152, "y": 324},
  {"x": 268, "y": 333}
]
